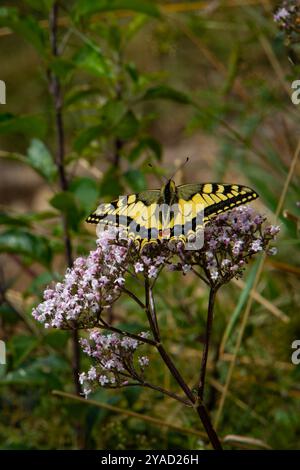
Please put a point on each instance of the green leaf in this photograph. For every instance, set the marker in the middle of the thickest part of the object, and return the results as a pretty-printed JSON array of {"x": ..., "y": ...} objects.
[
  {"x": 132, "y": 395},
  {"x": 146, "y": 143},
  {"x": 114, "y": 37},
  {"x": 47, "y": 372},
  {"x": 21, "y": 346},
  {"x": 22, "y": 242},
  {"x": 86, "y": 136},
  {"x": 88, "y": 7},
  {"x": 25, "y": 220},
  {"x": 128, "y": 126},
  {"x": 136, "y": 180},
  {"x": 92, "y": 60},
  {"x": 27, "y": 26},
  {"x": 39, "y": 283},
  {"x": 110, "y": 184},
  {"x": 56, "y": 339},
  {"x": 27, "y": 125},
  {"x": 66, "y": 203},
  {"x": 86, "y": 192},
  {"x": 62, "y": 67},
  {"x": 8, "y": 315},
  {"x": 167, "y": 93},
  {"x": 132, "y": 71},
  {"x": 15, "y": 221},
  {"x": 112, "y": 113},
  {"x": 40, "y": 216},
  {"x": 41, "y": 160},
  {"x": 134, "y": 26},
  {"x": 79, "y": 95},
  {"x": 131, "y": 326},
  {"x": 40, "y": 5}
]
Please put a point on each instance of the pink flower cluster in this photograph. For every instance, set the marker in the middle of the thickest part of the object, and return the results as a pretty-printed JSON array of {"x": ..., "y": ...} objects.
[
  {"x": 287, "y": 16},
  {"x": 114, "y": 361},
  {"x": 230, "y": 240},
  {"x": 92, "y": 285}
]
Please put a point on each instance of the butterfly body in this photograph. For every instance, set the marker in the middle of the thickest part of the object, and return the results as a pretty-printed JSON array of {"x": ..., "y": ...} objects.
[
  {"x": 171, "y": 210},
  {"x": 168, "y": 193}
]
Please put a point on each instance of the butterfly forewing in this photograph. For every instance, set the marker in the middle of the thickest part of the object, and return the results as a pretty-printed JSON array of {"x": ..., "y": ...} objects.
[
  {"x": 215, "y": 197},
  {"x": 136, "y": 213}
]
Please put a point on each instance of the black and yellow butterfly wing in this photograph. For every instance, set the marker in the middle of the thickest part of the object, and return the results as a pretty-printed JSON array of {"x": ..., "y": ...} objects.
[
  {"x": 140, "y": 214},
  {"x": 215, "y": 197},
  {"x": 135, "y": 213}
]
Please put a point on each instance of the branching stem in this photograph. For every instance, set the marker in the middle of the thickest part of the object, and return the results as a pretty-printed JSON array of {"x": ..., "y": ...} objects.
[{"x": 196, "y": 402}]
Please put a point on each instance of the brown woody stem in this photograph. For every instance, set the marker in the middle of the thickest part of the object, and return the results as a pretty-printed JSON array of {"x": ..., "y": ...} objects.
[
  {"x": 55, "y": 91},
  {"x": 209, "y": 322},
  {"x": 195, "y": 401}
]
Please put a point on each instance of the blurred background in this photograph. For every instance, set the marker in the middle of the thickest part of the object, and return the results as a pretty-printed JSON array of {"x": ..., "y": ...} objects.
[{"x": 89, "y": 104}]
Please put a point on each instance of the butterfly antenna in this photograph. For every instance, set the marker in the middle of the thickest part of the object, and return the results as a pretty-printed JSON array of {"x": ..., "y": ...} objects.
[
  {"x": 179, "y": 168},
  {"x": 155, "y": 173}
]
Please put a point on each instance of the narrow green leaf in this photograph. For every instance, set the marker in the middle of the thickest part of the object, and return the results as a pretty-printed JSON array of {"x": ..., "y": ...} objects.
[
  {"x": 241, "y": 302},
  {"x": 25, "y": 220},
  {"x": 132, "y": 71},
  {"x": 14, "y": 221},
  {"x": 88, "y": 7},
  {"x": 263, "y": 183},
  {"x": 167, "y": 93},
  {"x": 27, "y": 125},
  {"x": 135, "y": 25}
]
